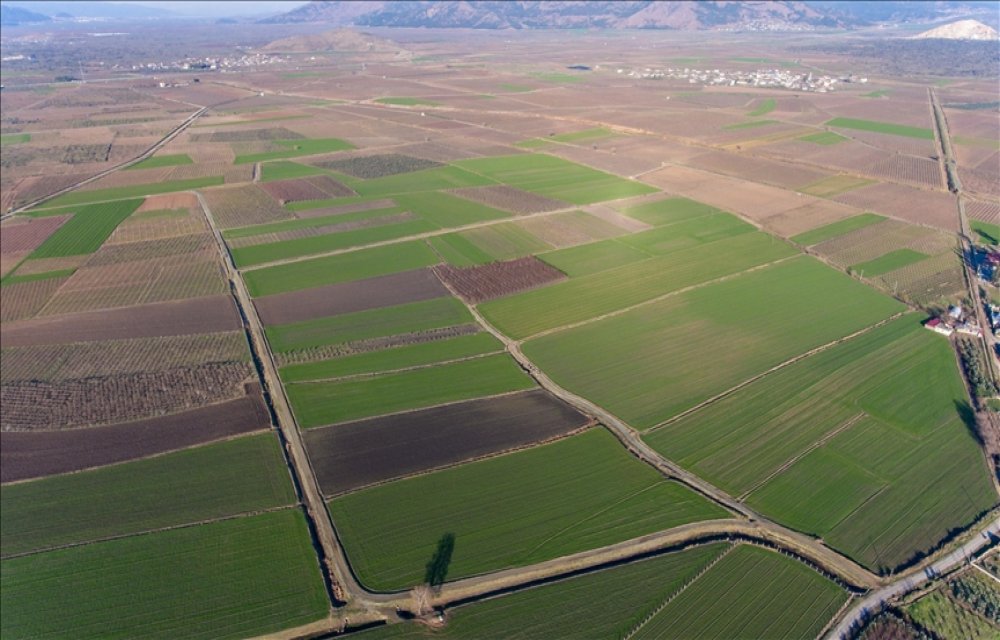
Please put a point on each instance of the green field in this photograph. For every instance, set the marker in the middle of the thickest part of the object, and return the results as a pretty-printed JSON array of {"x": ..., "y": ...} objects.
[
  {"x": 888, "y": 262},
  {"x": 135, "y": 191},
  {"x": 586, "y": 135},
  {"x": 654, "y": 361},
  {"x": 356, "y": 265},
  {"x": 592, "y": 295},
  {"x": 274, "y": 251},
  {"x": 557, "y": 77},
  {"x": 497, "y": 242},
  {"x": 596, "y": 606},
  {"x": 296, "y": 148},
  {"x": 988, "y": 233},
  {"x": 946, "y": 618},
  {"x": 763, "y": 108},
  {"x": 578, "y": 493},
  {"x": 14, "y": 138},
  {"x": 213, "y": 481},
  {"x": 321, "y": 403},
  {"x": 753, "y": 124},
  {"x": 683, "y": 235},
  {"x": 397, "y": 358},
  {"x": 171, "y": 160},
  {"x": 14, "y": 279},
  {"x": 446, "y": 210},
  {"x": 87, "y": 230},
  {"x": 306, "y": 223},
  {"x": 881, "y": 127},
  {"x": 456, "y": 250},
  {"x": 433, "y": 179},
  {"x": 669, "y": 211},
  {"x": 824, "y": 138},
  {"x": 515, "y": 88},
  {"x": 750, "y": 593},
  {"x": 839, "y": 228},
  {"x": 287, "y": 170},
  {"x": 593, "y": 258},
  {"x": 834, "y": 185},
  {"x": 388, "y": 321},
  {"x": 231, "y": 579},
  {"x": 901, "y": 472},
  {"x": 555, "y": 178},
  {"x": 407, "y": 102}
]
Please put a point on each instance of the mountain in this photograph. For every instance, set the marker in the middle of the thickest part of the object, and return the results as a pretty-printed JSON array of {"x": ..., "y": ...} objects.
[
  {"x": 563, "y": 14},
  {"x": 336, "y": 40},
  {"x": 13, "y": 16},
  {"x": 113, "y": 10},
  {"x": 961, "y": 30}
]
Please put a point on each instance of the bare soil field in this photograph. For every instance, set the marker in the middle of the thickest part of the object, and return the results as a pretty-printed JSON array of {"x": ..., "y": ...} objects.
[
  {"x": 570, "y": 229},
  {"x": 352, "y": 455},
  {"x": 248, "y": 135},
  {"x": 377, "y": 166},
  {"x": 166, "y": 201},
  {"x": 34, "y": 405},
  {"x": 980, "y": 181},
  {"x": 10, "y": 260},
  {"x": 755, "y": 169},
  {"x": 35, "y": 187},
  {"x": 906, "y": 169},
  {"x": 510, "y": 199},
  {"x": 25, "y": 234},
  {"x": 175, "y": 247},
  {"x": 815, "y": 213},
  {"x": 327, "y": 352},
  {"x": 842, "y": 156},
  {"x": 23, "y": 300},
  {"x": 314, "y": 188},
  {"x": 44, "y": 265},
  {"x": 309, "y": 232},
  {"x": 242, "y": 206},
  {"x": 908, "y": 203},
  {"x": 348, "y": 297},
  {"x": 893, "y": 144},
  {"x": 498, "y": 279},
  {"x": 183, "y": 317},
  {"x": 974, "y": 124},
  {"x": 435, "y": 151},
  {"x": 25, "y": 455},
  {"x": 982, "y": 210},
  {"x": 130, "y": 178},
  {"x": 169, "y": 223},
  {"x": 345, "y": 208}
]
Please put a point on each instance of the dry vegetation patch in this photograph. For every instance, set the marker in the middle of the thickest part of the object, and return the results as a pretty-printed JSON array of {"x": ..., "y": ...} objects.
[
  {"x": 498, "y": 279},
  {"x": 26, "y": 234},
  {"x": 377, "y": 166},
  {"x": 510, "y": 199},
  {"x": 242, "y": 206},
  {"x": 312, "y": 188}
]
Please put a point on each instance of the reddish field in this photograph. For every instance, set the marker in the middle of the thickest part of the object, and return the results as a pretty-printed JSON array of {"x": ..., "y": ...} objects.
[
  {"x": 498, "y": 279},
  {"x": 23, "y": 300},
  {"x": 27, "y": 234},
  {"x": 510, "y": 199},
  {"x": 26, "y": 455},
  {"x": 985, "y": 211},
  {"x": 348, "y": 297},
  {"x": 935, "y": 208},
  {"x": 356, "y": 454},
  {"x": 377, "y": 166},
  {"x": 180, "y": 318},
  {"x": 315, "y": 188},
  {"x": 243, "y": 205}
]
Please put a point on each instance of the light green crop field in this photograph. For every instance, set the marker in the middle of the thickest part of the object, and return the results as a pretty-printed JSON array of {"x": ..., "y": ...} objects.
[
  {"x": 839, "y": 228},
  {"x": 366, "y": 263},
  {"x": 682, "y": 235},
  {"x": 397, "y": 358},
  {"x": 586, "y": 135},
  {"x": 87, "y": 230},
  {"x": 898, "y": 469},
  {"x": 515, "y": 88},
  {"x": 231, "y": 579},
  {"x": 214, "y": 481},
  {"x": 14, "y": 138},
  {"x": 753, "y": 124},
  {"x": 321, "y": 403},
  {"x": 750, "y": 593},
  {"x": 669, "y": 211},
  {"x": 374, "y": 323},
  {"x": 286, "y": 170},
  {"x": 593, "y": 258},
  {"x": 878, "y": 93},
  {"x": 502, "y": 241},
  {"x": 555, "y": 178},
  {"x": 446, "y": 210},
  {"x": 588, "y": 296},
  {"x": 134, "y": 191},
  {"x": 457, "y": 250},
  {"x": 988, "y": 233},
  {"x": 434, "y": 179},
  {"x": 407, "y": 102},
  {"x": 306, "y": 223},
  {"x": 881, "y": 127},
  {"x": 171, "y": 160},
  {"x": 558, "y": 77},
  {"x": 296, "y": 148},
  {"x": 946, "y": 618},
  {"x": 596, "y": 606},
  {"x": 578, "y": 493},
  {"x": 763, "y": 108},
  {"x": 824, "y": 138},
  {"x": 656, "y": 360},
  {"x": 60, "y": 273},
  {"x": 834, "y": 185},
  {"x": 888, "y": 262},
  {"x": 273, "y": 251}
]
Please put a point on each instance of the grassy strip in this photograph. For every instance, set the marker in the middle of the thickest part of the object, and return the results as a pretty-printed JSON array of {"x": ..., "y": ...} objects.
[
  {"x": 670, "y": 211},
  {"x": 888, "y": 262},
  {"x": 595, "y": 257},
  {"x": 834, "y": 185},
  {"x": 765, "y": 107},
  {"x": 835, "y": 229},
  {"x": 824, "y": 138},
  {"x": 61, "y": 273},
  {"x": 749, "y": 125},
  {"x": 214, "y": 481},
  {"x": 356, "y": 265},
  {"x": 171, "y": 160},
  {"x": 135, "y": 191},
  {"x": 988, "y": 233},
  {"x": 231, "y": 579},
  {"x": 14, "y": 138},
  {"x": 307, "y": 223},
  {"x": 286, "y": 170},
  {"x": 375, "y": 323},
  {"x": 398, "y": 358},
  {"x": 585, "y": 135},
  {"x": 578, "y": 493},
  {"x": 295, "y": 148},
  {"x": 319, "y": 403},
  {"x": 458, "y": 250},
  {"x": 86, "y": 231},
  {"x": 882, "y": 127},
  {"x": 446, "y": 210}
]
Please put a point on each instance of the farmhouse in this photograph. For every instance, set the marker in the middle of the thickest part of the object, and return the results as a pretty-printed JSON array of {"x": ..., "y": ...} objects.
[{"x": 935, "y": 324}]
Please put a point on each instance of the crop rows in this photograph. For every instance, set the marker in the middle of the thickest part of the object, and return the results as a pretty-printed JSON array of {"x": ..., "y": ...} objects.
[
  {"x": 510, "y": 199},
  {"x": 899, "y": 168},
  {"x": 498, "y": 279},
  {"x": 369, "y": 345},
  {"x": 243, "y": 206},
  {"x": 313, "y": 188},
  {"x": 378, "y": 166},
  {"x": 23, "y": 300}
]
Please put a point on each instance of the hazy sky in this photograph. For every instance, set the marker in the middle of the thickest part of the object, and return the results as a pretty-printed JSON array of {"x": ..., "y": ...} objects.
[{"x": 216, "y": 9}]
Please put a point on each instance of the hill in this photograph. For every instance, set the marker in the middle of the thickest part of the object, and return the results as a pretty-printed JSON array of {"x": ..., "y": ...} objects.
[
  {"x": 961, "y": 30},
  {"x": 336, "y": 40},
  {"x": 13, "y": 16}
]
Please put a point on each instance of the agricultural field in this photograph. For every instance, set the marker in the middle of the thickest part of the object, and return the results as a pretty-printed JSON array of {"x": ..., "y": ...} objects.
[
  {"x": 497, "y": 279},
  {"x": 881, "y": 127},
  {"x": 86, "y": 231},
  {"x": 377, "y": 166},
  {"x": 295, "y": 149},
  {"x": 834, "y": 229},
  {"x": 560, "y": 498}
]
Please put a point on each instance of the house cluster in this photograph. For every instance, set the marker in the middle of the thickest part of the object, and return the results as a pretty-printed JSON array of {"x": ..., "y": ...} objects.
[
  {"x": 985, "y": 262},
  {"x": 208, "y": 64},
  {"x": 956, "y": 321},
  {"x": 774, "y": 78}
]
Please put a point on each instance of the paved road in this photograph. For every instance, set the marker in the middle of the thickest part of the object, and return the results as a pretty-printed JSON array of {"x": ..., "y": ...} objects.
[{"x": 874, "y": 601}]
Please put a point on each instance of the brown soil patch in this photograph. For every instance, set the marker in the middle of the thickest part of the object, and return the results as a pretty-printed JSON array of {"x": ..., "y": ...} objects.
[
  {"x": 510, "y": 199},
  {"x": 26, "y": 455},
  {"x": 348, "y": 297},
  {"x": 985, "y": 211},
  {"x": 314, "y": 188},
  {"x": 183, "y": 317},
  {"x": 809, "y": 216},
  {"x": 27, "y": 236},
  {"x": 356, "y": 454},
  {"x": 345, "y": 208},
  {"x": 10, "y": 260},
  {"x": 242, "y": 206},
  {"x": 570, "y": 229},
  {"x": 498, "y": 279},
  {"x": 900, "y": 168},
  {"x": 168, "y": 201},
  {"x": 755, "y": 169},
  {"x": 23, "y": 300},
  {"x": 915, "y": 205},
  {"x": 378, "y": 166}
]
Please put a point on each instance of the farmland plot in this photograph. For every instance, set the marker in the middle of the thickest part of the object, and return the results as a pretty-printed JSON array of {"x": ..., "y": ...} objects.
[
  {"x": 498, "y": 279},
  {"x": 314, "y": 188},
  {"x": 22, "y": 300},
  {"x": 377, "y": 166},
  {"x": 575, "y": 494},
  {"x": 510, "y": 199},
  {"x": 570, "y": 229},
  {"x": 593, "y": 258},
  {"x": 25, "y": 234},
  {"x": 87, "y": 230},
  {"x": 242, "y": 206},
  {"x": 742, "y": 326}
]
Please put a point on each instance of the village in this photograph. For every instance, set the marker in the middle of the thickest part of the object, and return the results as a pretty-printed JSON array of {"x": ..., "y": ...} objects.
[{"x": 775, "y": 78}]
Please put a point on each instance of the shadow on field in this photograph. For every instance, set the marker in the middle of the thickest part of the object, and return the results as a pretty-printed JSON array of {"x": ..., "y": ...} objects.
[
  {"x": 968, "y": 415},
  {"x": 437, "y": 568}
]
